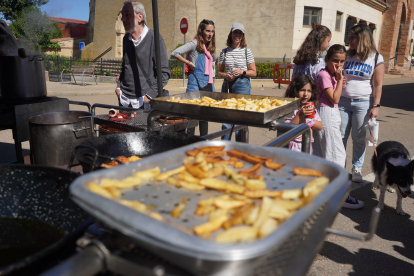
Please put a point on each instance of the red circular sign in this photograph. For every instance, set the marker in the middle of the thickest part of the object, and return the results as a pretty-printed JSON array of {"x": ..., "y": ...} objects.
[{"x": 184, "y": 25}]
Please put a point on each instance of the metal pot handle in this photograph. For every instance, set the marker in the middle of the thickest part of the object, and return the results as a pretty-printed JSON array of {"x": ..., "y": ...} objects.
[
  {"x": 95, "y": 156},
  {"x": 179, "y": 117}
]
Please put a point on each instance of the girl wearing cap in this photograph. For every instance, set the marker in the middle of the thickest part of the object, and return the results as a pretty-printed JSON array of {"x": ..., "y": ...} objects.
[
  {"x": 200, "y": 58},
  {"x": 236, "y": 67},
  {"x": 364, "y": 69}
]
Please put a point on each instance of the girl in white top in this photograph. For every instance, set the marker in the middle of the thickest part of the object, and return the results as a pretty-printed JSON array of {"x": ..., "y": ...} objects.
[
  {"x": 364, "y": 69},
  {"x": 236, "y": 66}
]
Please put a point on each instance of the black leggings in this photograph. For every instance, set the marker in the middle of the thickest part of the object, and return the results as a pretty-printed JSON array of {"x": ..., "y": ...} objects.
[{"x": 203, "y": 125}]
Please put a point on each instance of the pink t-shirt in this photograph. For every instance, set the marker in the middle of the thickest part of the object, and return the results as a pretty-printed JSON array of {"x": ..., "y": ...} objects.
[{"x": 325, "y": 80}]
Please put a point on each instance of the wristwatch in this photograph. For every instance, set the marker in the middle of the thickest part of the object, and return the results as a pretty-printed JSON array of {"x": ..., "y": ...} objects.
[
  {"x": 244, "y": 73},
  {"x": 376, "y": 105}
]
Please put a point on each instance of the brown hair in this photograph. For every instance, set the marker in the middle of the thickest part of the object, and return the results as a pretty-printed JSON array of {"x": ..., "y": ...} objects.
[
  {"x": 310, "y": 51},
  {"x": 211, "y": 46},
  {"x": 242, "y": 42},
  {"x": 298, "y": 83},
  {"x": 336, "y": 48},
  {"x": 366, "y": 44}
]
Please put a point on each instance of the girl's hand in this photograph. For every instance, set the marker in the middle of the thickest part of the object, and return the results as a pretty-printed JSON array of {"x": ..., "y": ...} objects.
[
  {"x": 237, "y": 72},
  {"x": 305, "y": 112},
  {"x": 338, "y": 73},
  {"x": 229, "y": 77},
  {"x": 191, "y": 65},
  {"x": 373, "y": 113}
]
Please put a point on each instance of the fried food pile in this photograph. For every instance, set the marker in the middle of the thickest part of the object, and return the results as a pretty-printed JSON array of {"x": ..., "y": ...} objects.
[
  {"x": 247, "y": 209},
  {"x": 120, "y": 160},
  {"x": 240, "y": 104}
]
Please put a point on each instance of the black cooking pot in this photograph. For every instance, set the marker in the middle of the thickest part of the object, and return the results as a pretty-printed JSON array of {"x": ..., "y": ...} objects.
[
  {"x": 127, "y": 144},
  {"x": 35, "y": 199}
]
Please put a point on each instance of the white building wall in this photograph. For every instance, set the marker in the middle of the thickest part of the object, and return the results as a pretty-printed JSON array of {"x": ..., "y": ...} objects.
[{"x": 329, "y": 9}]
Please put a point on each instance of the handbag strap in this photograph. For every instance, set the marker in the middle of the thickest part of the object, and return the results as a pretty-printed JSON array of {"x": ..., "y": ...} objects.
[{"x": 199, "y": 87}]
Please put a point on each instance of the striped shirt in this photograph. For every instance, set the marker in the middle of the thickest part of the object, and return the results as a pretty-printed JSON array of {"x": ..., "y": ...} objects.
[{"x": 236, "y": 58}]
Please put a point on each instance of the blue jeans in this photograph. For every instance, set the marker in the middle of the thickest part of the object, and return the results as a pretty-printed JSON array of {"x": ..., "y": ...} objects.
[
  {"x": 354, "y": 115},
  {"x": 239, "y": 86}
]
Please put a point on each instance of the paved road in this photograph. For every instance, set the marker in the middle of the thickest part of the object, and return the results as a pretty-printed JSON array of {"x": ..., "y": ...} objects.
[{"x": 389, "y": 253}]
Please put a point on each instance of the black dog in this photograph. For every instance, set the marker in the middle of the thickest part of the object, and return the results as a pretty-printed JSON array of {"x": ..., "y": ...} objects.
[{"x": 393, "y": 167}]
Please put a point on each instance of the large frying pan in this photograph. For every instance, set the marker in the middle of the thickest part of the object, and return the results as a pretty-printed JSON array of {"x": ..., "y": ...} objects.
[
  {"x": 39, "y": 194},
  {"x": 127, "y": 144}
]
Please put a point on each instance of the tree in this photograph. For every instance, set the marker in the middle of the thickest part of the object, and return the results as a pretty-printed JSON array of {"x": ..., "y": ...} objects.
[
  {"x": 34, "y": 30},
  {"x": 12, "y": 8}
]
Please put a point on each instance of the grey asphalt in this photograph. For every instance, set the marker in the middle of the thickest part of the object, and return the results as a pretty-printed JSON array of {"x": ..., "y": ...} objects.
[{"x": 391, "y": 252}]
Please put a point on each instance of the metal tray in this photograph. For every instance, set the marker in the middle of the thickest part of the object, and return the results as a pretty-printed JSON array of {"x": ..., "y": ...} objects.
[
  {"x": 205, "y": 257},
  {"x": 223, "y": 114}
]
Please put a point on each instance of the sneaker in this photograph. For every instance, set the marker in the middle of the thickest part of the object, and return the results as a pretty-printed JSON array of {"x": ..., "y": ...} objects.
[
  {"x": 352, "y": 203},
  {"x": 356, "y": 175}
]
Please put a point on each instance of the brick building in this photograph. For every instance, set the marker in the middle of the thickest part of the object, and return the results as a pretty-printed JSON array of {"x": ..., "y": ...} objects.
[
  {"x": 396, "y": 37},
  {"x": 71, "y": 27}
]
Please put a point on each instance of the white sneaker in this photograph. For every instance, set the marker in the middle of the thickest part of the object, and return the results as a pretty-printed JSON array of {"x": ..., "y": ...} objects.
[{"x": 356, "y": 175}]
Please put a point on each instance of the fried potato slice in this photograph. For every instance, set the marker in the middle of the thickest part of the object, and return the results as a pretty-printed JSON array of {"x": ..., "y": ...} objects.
[
  {"x": 238, "y": 217},
  {"x": 210, "y": 148},
  {"x": 210, "y": 201},
  {"x": 167, "y": 174},
  {"x": 134, "y": 204},
  {"x": 147, "y": 174},
  {"x": 267, "y": 227},
  {"x": 187, "y": 177},
  {"x": 156, "y": 216},
  {"x": 277, "y": 211},
  {"x": 237, "y": 234},
  {"x": 204, "y": 210},
  {"x": 190, "y": 186},
  {"x": 216, "y": 213},
  {"x": 121, "y": 184},
  {"x": 192, "y": 152},
  {"x": 292, "y": 194},
  {"x": 251, "y": 216},
  {"x": 264, "y": 212},
  {"x": 210, "y": 226},
  {"x": 176, "y": 213},
  {"x": 241, "y": 197},
  {"x": 261, "y": 193},
  {"x": 251, "y": 171},
  {"x": 198, "y": 173},
  {"x": 116, "y": 193},
  {"x": 238, "y": 165},
  {"x": 228, "y": 204},
  {"x": 315, "y": 186},
  {"x": 258, "y": 177},
  {"x": 233, "y": 175},
  {"x": 289, "y": 205},
  {"x": 221, "y": 185},
  {"x": 173, "y": 181},
  {"x": 98, "y": 189},
  {"x": 273, "y": 166},
  {"x": 306, "y": 172},
  {"x": 215, "y": 154},
  {"x": 244, "y": 156},
  {"x": 254, "y": 184}
]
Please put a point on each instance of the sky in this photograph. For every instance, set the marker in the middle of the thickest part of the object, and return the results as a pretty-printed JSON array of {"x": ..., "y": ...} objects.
[{"x": 74, "y": 9}]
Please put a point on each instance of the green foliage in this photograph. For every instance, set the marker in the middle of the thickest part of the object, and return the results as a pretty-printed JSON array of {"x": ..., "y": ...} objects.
[
  {"x": 108, "y": 73},
  {"x": 34, "y": 30},
  {"x": 11, "y": 9}
]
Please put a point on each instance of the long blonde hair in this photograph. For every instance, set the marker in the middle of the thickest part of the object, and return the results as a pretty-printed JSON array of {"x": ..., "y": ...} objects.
[{"x": 366, "y": 43}]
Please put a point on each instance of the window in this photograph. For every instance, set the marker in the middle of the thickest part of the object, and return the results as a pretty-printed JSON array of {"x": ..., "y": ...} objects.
[
  {"x": 349, "y": 24},
  {"x": 311, "y": 15},
  {"x": 338, "y": 21}
]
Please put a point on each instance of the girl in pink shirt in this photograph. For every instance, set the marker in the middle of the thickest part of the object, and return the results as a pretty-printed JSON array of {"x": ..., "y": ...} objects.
[
  {"x": 328, "y": 141},
  {"x": 304, "y": 88}
]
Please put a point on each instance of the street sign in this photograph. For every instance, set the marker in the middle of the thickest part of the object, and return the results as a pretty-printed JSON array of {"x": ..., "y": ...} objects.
[
  {"x": 184, "y": 25},
  {"x": 81, "y": 45}
]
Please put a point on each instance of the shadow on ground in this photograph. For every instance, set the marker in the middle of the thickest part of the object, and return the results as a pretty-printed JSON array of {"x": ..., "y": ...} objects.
[
  {"x": 8, "y": 153},
  {"x": 391, "y": 227},
  {"x": 398, "y": 96}
]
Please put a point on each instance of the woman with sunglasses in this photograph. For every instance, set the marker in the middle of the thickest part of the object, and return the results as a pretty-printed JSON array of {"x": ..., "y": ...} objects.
[
  {"x": 236, "y": 67},
  {"x": 200, "y": 58},
  {"x": 364, "y": 71}
]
